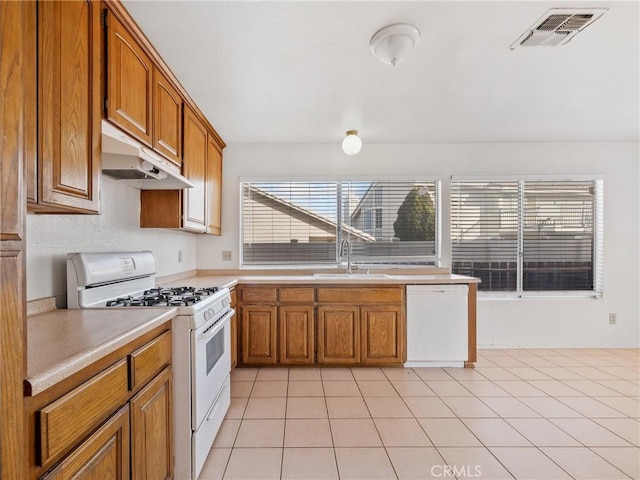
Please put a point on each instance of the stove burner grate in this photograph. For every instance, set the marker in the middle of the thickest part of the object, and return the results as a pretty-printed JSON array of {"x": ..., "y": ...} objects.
[{"x": 165, "y": 296}]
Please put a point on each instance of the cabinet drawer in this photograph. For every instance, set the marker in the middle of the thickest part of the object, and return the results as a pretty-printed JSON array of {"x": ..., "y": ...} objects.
[
  {"x": 296, "y": 294},
  {"x": 148, "y": 360},
  {"x": 68, "y": 419},
  {"x": 258, "y": 294},
  {"x": 368, "y": 295},
  {"x": 105, "y": 454}
]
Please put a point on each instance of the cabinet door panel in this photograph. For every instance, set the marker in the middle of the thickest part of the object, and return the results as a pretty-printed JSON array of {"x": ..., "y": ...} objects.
[
  {"x": 167, "y": 118},
  {"x": 194, "y": 168},
  {"x": 102, "y": 456},
  {"x": 382, "y": 335},
  {"x": 259, "y": 334},
  {"x": 69, "y": 59},
  {"x": 214, "y": 187},
  {"x": 12, "y": 368},
  {"x": 16, "y": 25},
  {"x": 338, "y": 335},
  {"x": 129, "y": 82},
  {"x": 152, "y": 429},
  {"x": 297, "y": 337},
  {"x": 234, "y": 329}
]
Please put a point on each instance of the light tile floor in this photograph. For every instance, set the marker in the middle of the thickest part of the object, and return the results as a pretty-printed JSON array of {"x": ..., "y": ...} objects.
[{"x": 525, "y": 414}]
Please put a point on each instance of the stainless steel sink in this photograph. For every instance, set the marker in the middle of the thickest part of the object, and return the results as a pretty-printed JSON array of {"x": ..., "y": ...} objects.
[{"x": 358, "y": 276}]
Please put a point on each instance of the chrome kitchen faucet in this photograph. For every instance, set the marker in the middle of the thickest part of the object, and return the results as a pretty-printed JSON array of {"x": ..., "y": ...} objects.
[{"x": 348, "y": 244}]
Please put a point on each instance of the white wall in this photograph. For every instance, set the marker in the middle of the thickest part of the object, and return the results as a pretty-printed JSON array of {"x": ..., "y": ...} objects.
[
  {"x": 501, "y": 323},
  {"x": 51, "y": 237}
]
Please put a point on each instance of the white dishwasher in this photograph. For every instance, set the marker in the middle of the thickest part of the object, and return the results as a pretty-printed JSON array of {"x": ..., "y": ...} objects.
[{"x": 437, "y": 325}]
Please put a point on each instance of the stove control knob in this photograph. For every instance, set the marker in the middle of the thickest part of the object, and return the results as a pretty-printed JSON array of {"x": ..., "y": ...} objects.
[
  {"x": 208, "y": 314},
  {"x": 225, "y": 302}
]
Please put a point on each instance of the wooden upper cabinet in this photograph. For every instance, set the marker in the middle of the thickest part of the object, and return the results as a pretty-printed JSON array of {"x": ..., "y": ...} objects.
[
  {"x": 167, "y": 118},
  {"x": 214, "y": 186},
  {"x": 129, "y": 82},
  {"x": 68, "y": 105},
  {"x": 194, "y": 168}
]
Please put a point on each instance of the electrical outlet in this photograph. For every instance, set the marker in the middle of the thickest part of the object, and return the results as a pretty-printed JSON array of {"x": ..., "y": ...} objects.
[
  {"x": 226, "y": 255},
  {"x": 612, "y": 319},
  {"x": 179, "y": 256}
]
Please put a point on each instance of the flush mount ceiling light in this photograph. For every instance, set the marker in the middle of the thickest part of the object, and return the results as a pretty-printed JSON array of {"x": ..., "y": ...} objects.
[
  {"x": 351, "y": 145},
  {"x": 392, "y": 44}
]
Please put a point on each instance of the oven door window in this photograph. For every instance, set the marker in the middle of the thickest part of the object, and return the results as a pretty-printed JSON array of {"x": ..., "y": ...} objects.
[{"x": 215, "y": 350}]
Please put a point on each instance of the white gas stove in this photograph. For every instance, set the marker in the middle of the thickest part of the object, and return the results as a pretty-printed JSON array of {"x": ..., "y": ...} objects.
[{"x": 201, "y": 340}]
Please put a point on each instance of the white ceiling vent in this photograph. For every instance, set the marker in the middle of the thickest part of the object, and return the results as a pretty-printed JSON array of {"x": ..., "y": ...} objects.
[{"x": 558, "y": 26}]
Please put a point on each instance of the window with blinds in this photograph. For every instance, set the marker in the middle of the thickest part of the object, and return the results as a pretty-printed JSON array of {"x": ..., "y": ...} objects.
[
  {"x": 300, "y": 223},
  {"x": 528, "y": 235}
]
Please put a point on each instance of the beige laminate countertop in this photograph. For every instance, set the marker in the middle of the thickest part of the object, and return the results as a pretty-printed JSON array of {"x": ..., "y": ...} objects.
[
  {"x": 208, "y": 280},
  {"x": 63, "y": 342}
]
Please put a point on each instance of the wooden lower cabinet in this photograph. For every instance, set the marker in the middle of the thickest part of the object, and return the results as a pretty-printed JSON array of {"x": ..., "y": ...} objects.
[
  {"x": 339, "y": 335},
  {"x": 234, "y": 329},
  {"x": 327, "y": 325},
  {"x": 102, "y": 456},
  {"x": 151, "y": 429},
  {"x": 382, "y": 335},
  {"x": 259, "y": 335},
  {"x": 111, "y": 420},
  {"x": 297, "y": 334}
]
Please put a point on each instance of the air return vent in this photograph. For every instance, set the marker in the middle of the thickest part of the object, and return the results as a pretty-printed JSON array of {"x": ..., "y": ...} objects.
[{"x": 557, "y": 27}]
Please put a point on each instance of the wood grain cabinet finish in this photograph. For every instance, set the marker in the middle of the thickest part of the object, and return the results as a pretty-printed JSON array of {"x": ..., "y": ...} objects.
[
  {"x": 94, "y": 425},
  {"x": 338, "y": 335},
  {"x": 259, "y": 335},
  {"x": 296, "y": 335},
  {"x": 152, "y": 429},
  {"x": 104, "y": 455},
  {"x": 147, "y": 361},
  {"x": 68, "y": 419},
  {"x": 167, "y": 118},
  {"x": 214, "y": 186},
  {"x": 194, "y": 168},
  {"x": 234, "y": 328},
  {"x": 16, "y": 34},
  {"x": 68, "y": 108},
  {"x": 382, "y": 334},
  {"x": 330, "y": 325},
  {"x": 296, "y": 295},
  {"x": 267, "y": 295},
  {"x": 129, "y": 82}
]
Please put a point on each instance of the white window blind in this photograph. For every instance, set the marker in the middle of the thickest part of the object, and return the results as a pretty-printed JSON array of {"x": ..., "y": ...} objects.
[
  {"x": 528, "y": 236},
  {"x": 303, "y": 223},
  {"x": 286, "y": 223}
]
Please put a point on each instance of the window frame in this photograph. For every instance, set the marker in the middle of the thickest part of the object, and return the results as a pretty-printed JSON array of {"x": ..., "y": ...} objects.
[
  {"x": 434, "y": 261},
  {"x": 598, "y": 236}
]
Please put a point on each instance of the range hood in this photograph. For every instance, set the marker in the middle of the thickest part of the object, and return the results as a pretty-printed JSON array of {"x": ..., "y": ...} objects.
[{"x": 124, "y": 158}]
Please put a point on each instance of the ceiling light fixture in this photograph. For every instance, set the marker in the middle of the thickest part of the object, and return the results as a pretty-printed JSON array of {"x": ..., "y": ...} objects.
[
  {"x": 351, "y": 145},
  {"x": 393, "y": 43}
]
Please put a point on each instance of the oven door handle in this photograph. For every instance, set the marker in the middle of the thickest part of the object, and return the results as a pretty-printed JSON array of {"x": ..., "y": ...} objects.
[{"x": 219, "y": 325}]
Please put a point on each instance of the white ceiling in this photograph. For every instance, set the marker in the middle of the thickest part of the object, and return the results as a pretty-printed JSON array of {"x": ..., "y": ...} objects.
[{"x": 302, "y": 72}]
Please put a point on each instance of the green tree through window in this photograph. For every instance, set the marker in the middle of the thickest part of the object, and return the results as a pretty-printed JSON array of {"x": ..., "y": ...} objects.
[{"x": 416, "y": 217}]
